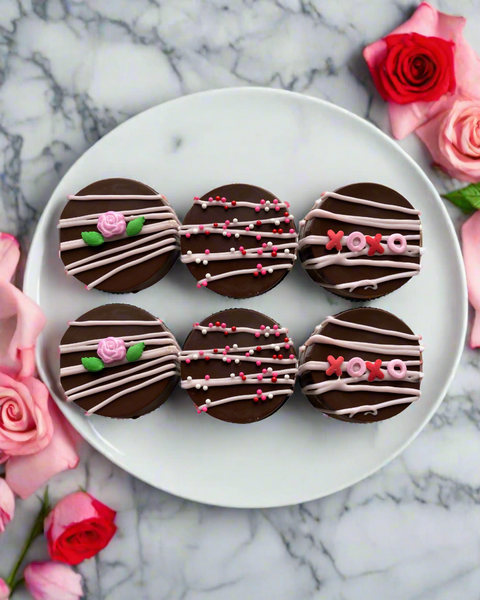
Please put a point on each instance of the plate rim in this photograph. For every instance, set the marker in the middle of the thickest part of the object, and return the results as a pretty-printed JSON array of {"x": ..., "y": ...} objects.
[{"x": 30, "y": 288}]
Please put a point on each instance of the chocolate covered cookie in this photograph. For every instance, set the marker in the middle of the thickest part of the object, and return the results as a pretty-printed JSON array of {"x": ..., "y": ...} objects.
[
  {"x": 239, "y": 240},
  {"x": 118, "y": 361},
  {"x": 362, "y": 241},
  {"x": 118, "y": 235},
  {"x": 238, "y": 365},
  {"x": 361, "y": 366}
]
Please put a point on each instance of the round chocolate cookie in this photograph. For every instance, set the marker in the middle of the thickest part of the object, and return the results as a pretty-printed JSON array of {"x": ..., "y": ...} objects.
[
  {"x": 239, "y": 240},
  {"x": 118, "y": 361},
  {"x": 361, "y": 366},
  {"x": 362, "y": 241},
  {"x": 238, "y": 366},
  {"x": 118, "y": 235}
]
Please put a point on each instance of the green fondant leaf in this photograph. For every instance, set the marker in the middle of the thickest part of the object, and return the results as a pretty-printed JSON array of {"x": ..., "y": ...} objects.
[
  {"x": 135, "y": 226},
  {"x": 93, "y": 364},
  {"x": 467, "y": 198},
  {"x": 135, "y": 352},
  {"x": 92, "y": 238}
]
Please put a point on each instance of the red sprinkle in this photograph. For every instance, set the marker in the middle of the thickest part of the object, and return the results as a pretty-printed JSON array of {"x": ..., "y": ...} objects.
[
  {"x": 286, "y": 340},
  {"x": 274, "y": 380},
  {"x": 215, "y": 350},
  {"x": 207, "y": 358},
  {"x": 274, "y": 231},
  {"x": 280, "y": 231},
  {"x": 225, "y": 207},
  {"x": 274, "y": 356},
  {"x": 259, "y": 348},
  {"x": 286, "y": 214},
  {"x": 244, "y": 252},
  {"x": 234, "y": 328},
  {"x": 217, "y": 197},
  {"x": 217, "y": 323},
  {"x": 244, "y": 377},
  {"x": 259, "y": 222},
  {"x": 207, "y": 233},
  {"x": 255, "y": 399},
  {"x": 255, "y": 273},
  {"x": 234, "y": 203},
  {"x": 274, "y": 254},
  {"x": 215, "y": 224},
  {"x": 225, "y": 332},
  {"x": 280, "y": 357}
]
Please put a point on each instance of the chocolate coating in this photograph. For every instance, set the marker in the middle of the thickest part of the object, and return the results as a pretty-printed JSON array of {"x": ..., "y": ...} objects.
[
  {"x": 239, "y": 411},
  {"x": 240, "y": 285},
  {"x": 131, "y": 405},
  {"x": 132, "y": 279},
  {"x": 338, "y": 274},
  {"x": 337, "y": 399}
]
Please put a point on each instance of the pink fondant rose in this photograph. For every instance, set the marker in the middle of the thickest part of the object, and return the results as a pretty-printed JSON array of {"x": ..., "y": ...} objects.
[
  {"x": 111, "y": 223},
  {"x": 453, "y": 139},
  {"x": 111, "y": 349},
  {"x": 53, "y": 581}
]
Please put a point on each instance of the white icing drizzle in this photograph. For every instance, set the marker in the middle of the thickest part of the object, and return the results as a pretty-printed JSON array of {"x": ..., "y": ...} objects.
[
  {"x": 284, "y": 376},
  {"x": 150, "y": 364},
  {"x": 351, "y": 259},
  {"x": 232, "y": 229},
  {"x": 167, "y": 229},
  {"x": 350, "y": 384}
]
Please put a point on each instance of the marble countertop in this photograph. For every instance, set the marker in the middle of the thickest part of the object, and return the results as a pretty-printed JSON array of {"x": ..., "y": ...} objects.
[{"x": 70, "y": 71}]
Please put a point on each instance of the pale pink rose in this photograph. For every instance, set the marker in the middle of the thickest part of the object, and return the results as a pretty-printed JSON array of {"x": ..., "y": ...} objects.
[
  {"x": 26, "y": 474},
  {"x": 471, "y": 258},
  {"x": 7, "y": 505},
  {"x": 21, "y": 320},
  {"x": 25, "y": 423},
  {"x": 53, "y": 581},
  {"x": 428, "y": 21},
  {"x": 4, "y": 590},
  {"x": 111, "y": 223},
  {"x": 111, "y": 349},
  {"x": 453, "y": 139}
]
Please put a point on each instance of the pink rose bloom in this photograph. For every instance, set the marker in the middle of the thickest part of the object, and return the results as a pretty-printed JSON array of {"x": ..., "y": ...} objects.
[
  {"x": 4, "y": 590},
  {"x": 428, "y": 21},
  {"x": 111, "y": 223},
  {"x": 471, "y": 258},
  {"x": 7, "y": 506},
  {"x": 78, "y": 528},
  {"x": 111, "y": 349},
  {"x": 21, "y": 320},
  {"x": 53, "y": 581},
  {"x": 453, "y": 139},
  {"x": 26, "y": 474}
]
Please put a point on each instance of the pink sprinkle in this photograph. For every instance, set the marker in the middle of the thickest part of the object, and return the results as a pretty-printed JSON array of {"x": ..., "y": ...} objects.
[
  {"x": 257, "y": 335},
  {"x": 229, "y": 360},
  {"x": 264, "y": 245},
  {"x": 287, "y": 220},
  {"x": 200, "y": 227},
  {"x": 257, "y": 209},
  {"x": 287, "y": 204},
  {"x": 263, "y": 397},
  {"x": 210, "y": 324},
  {"x": 262, "y": 327},
  {"x": 223, "y": 325},
  {"x": 187, "y": 361},
  {"x": 207, "y": 377},
  {"x": 247, "y": 353},
  {"x": 258, "y": 237},
  {"x": 259, "y": 266},
  {"x": 258, "y": 363},
  {"x": 277, "y": 334},
  {"x": 259, "y": 391},
  {"x": 262, "y": 201},
  {"x": 201, "y": 352},
  {"x": 263, "y": 272},
  {"x": 196, "y": 324},
  {"x": 277, "y": 208},
  {"x": 292, "y": 356},
  {"x": 274, "y": 248},
  {"x": 204, "y": 409},
  {"x": 260, "y": 251},
  {"x": 210, "y": 199},
  {"x": 241, "y": 248},
  {"x": 291, "y": 231},
  {"x": 204, "y": 284},
  {"x": 227, "y": 222},
  {"x": 224, "y": 199},
  {"x": 199, "y": 285},
  {"x": 275, "y": 326},
  {"x": 264, "y": 371},
  {"x": 287, "y": 346},
  {"x": 224, "y": 226},
  {"x": 259, "y": 377},
  {"x": 247, "y": 228},
  {"x": 207, "y": 251},
  {"x": 196, "y": 198},
  {"x": 227, "y": 348},
  {"x": 229, "y": 234},
  {"x": 275, "y": 201},
  {"x": 199, "y": 411},
  {"x": 274, "y": 374},
  {"x": 224, "y": 352},
  {"x": 187, "y": 235},
  {"x": 241, "y": 374}
]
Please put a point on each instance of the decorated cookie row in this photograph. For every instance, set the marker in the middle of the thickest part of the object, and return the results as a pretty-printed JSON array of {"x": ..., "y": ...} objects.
[
  {"x": 239, "y": 365},
  {"x": 120, "y": 235}
]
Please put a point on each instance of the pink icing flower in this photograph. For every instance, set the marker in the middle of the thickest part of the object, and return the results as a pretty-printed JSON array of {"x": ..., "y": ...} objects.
[
  {"x": 453, "y": 139},
  {"x": 428, "y": 21},
  {"x": 111, "y": 223},
  {"x": 7, "y": 506},
  {"x": 111, "y": 349},
  {"x": 53, "y": 581},
  {"x": 4, "y": 590},
  {"x": 21, "y": 320}
]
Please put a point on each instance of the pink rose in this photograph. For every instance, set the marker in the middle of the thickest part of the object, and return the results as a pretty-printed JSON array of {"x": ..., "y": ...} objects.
[
  {"x": 4, "y": 590},
  {"x": 25, "y": 423},
  {"x": 7, "y": 506},
  {"x": 21, "y": 320},
  {"x": 53, "y": 581},
  {"x": 453, "y": 139},
  {"x": 78, "y": 528},
  {"x": 111, "y": 223},
  {"x": 26, "y": 474},
  {"x": 111, "y": 349},
  {"x": 428, "y": 21},
  {"x": 471, "y": 258}
]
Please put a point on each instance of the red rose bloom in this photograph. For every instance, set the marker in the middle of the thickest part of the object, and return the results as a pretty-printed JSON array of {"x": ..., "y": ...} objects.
[
  {"x": 78, "y": 528},
  {"x": 415, "y": 68}
]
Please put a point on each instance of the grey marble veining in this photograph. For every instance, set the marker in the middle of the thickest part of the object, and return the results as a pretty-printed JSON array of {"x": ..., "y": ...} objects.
[{"x": 70, "y": 71}]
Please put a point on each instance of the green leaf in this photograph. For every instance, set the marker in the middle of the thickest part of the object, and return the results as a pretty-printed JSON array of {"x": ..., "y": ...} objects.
[
  {"x": 135, "y": 226},
  {"x": 135, "y": 352},
  {"x": 93, "y": 364},
  {"x": 93, "y": 238},
  {"x": 467, "y": 198}
]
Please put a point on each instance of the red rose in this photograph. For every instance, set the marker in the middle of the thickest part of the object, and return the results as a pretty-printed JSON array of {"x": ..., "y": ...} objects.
[
  {"x": 415, "y": 68},
  {"x": 78, "y": 528}
]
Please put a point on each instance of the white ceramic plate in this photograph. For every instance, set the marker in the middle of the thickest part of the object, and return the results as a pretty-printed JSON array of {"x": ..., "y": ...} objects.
[{"x": 295, "y": 146}]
